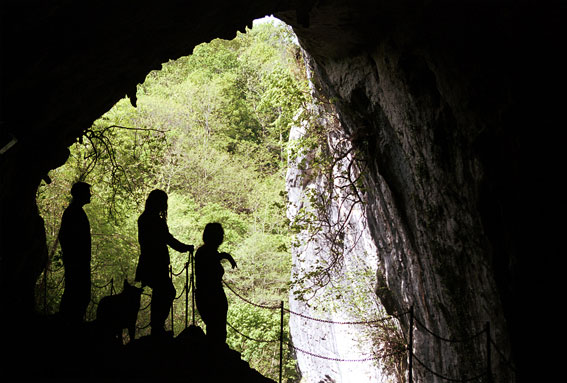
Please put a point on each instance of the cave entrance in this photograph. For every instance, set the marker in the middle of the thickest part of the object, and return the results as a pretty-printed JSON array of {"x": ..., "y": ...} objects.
[{"x": 211, "y": 130}]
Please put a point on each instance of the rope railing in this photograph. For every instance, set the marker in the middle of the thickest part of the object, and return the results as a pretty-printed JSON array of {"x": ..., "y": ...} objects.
[{"x": 413, "y": 322}]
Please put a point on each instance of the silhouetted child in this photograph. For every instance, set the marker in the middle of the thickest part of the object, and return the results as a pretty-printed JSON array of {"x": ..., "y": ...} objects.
[
  {"x": 210, "y": 297},
  {"x": 75, "y": 239},
  {"x": 153, "y": 265}
]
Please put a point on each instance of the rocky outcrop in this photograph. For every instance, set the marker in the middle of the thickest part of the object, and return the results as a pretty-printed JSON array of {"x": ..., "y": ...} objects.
[
  {"x": 438, "y": 132},
  {"x": 334, "y": 244},
  {"x": 422, "y": 202}
]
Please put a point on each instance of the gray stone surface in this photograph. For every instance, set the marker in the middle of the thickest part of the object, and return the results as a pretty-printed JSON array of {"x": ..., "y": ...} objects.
[{"x": 331, "y": 348}]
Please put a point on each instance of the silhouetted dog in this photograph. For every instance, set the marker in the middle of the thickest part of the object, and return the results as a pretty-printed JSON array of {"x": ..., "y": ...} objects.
[{"x": 116, "y": 312}]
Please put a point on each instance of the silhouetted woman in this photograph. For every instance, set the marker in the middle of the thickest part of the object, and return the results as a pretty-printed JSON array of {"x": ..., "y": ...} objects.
[
  {"x": 209, "y": 294},
  {"x": 153, "y": 265}
]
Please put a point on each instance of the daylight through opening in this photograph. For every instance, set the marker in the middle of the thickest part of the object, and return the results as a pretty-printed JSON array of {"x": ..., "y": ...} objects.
[{"x": 236, "y": 134}]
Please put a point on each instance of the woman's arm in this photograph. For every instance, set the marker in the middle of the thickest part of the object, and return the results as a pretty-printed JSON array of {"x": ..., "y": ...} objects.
[
  {"x": 229, "y": 258},
  {"x": 174, "y": 243}
]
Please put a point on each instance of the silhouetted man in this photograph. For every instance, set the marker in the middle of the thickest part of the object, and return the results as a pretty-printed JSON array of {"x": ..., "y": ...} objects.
[
  {"x": 153, "y": 265},
  {"x": 75, "y": 239},
  {"x": 210, "y": 297}
]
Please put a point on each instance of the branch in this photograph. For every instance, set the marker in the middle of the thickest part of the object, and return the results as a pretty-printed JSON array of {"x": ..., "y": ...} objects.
[{"x": 140, "y": 129}]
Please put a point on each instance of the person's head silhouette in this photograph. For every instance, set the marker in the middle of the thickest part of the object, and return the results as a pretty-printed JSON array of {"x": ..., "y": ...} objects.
[
  {"x": 213, "y": 235},
  {"x": 81, "y": 193},
  {"x": 156, "y": 203}
]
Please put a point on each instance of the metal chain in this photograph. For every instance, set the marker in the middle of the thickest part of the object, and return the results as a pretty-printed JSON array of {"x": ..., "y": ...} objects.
[
  {"x": 104, "y": 286},
  {"x": 180, "y": 294},
  {"x": 249, "y": 338},
  {"x": 446, "y": 377},
  {"x": 181, "y": 272},
  {"x": 463, "y": 340},
  {"x": 252, "y": 303},
  {"x": 338, "y": 322},
  {"x": 365, "y": 359}
]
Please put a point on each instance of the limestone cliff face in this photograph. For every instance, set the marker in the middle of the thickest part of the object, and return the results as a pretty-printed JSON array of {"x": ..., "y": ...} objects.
[
  {"x": 331, "y": 342},
  {"x": 336, "y": 238},
  {"x": 431, "y": 100},
  {"x": 422, "y": 183}
]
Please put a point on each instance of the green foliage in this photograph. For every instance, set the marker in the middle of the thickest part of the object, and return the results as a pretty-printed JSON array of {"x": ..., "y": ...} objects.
[{"x": 211, "y": 130}]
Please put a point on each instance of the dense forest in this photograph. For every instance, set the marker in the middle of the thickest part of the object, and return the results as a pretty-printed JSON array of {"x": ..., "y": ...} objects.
[{"x": 211, "y": 130}]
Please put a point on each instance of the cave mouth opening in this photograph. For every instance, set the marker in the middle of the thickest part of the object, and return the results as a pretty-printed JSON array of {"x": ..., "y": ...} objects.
[
  {"x": 210, "y": 129},
  {"x": 42, "y": 65}
]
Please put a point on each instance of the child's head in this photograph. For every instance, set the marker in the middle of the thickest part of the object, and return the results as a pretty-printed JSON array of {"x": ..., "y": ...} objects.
[{"x": 213, "y": 234}]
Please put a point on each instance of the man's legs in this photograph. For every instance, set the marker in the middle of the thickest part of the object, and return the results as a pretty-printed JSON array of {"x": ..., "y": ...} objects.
[{"x": 76, "y": 297}]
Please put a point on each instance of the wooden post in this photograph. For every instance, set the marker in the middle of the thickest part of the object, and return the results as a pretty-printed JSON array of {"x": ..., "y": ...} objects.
[
  {"x": 281, "y": 339},
  {"x": 410, "y": 346}
]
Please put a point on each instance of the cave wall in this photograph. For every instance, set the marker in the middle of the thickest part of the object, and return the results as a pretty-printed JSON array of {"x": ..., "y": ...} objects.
[
  {"x": 422, "y": 183},
  {"x": 338, "y": 239},
  {"x": 458, "y": 109},
  {"x": 454, "y": 108}
]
